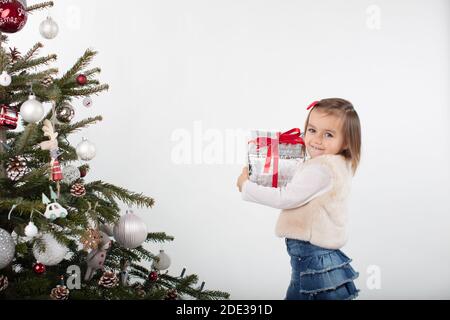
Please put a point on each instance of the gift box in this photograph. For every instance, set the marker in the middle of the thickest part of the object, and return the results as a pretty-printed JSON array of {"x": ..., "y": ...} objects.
[{"x": 273, "y": 157}]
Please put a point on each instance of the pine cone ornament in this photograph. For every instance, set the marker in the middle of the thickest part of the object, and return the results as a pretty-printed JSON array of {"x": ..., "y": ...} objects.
[
  {"x": 3, "y": 282},
  {"x": 17, "y": 168},
  {"x": 47, "y": 81},
  {"x": 78, "y": 190},
  {"x": 108, "y": 280},
  {"x": 140, "y": 290},
  {"x": 171, "y": 295},
  {"x": 60, "y": 293}
]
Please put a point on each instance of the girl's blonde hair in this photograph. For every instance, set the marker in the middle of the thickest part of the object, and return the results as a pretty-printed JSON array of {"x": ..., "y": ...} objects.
[{"x": 351, "y": 126}]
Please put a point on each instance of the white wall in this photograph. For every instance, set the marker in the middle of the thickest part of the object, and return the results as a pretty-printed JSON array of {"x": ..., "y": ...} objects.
[{"x": 238, "y": 65}]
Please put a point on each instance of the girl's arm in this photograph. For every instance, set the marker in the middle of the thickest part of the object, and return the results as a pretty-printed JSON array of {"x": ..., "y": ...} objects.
[{"x": 311, "y": 182}]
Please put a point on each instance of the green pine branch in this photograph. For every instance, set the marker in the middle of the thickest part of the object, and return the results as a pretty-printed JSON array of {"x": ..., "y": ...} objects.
[
  {"x": 32, "y": 63},
  {"x": 128, "y": 197},
  {"x": 82, "y": 63},
  {"x": 85, "y": 91},
  {"x": 159, "y": 237}
]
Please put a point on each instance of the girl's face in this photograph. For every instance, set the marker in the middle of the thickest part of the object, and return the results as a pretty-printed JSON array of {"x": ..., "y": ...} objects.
[{"x": 324, "y": 134}]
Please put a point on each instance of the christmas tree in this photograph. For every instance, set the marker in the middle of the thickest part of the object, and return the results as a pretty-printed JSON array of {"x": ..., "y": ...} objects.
[{"x": 55, "y": 225}]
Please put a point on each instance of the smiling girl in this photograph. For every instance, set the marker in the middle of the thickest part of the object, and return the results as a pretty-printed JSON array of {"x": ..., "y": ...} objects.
[{"x": 314, "y": 204}]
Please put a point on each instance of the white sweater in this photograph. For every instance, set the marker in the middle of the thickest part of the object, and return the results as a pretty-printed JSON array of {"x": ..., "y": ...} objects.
[{"x": 314, "y": 203}]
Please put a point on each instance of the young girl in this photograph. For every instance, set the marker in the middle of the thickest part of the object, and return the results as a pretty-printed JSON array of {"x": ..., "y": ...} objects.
[{"x": 314, "y": 204}]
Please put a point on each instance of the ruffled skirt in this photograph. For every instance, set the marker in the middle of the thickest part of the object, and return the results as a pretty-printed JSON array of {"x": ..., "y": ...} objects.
[{"x": 319, "y": 273}]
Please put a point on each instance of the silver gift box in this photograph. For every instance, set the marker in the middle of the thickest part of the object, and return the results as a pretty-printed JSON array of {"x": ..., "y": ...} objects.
[{"x": 290, "y": 156}]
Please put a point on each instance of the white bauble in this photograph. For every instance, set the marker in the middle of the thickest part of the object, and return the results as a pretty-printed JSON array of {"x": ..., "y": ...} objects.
[
  {"x": 54, "y": 251},
  {"x": 86, "y": 150},
  {"x": 130, "y": 231},
  {"x": 32, "y": 110},
  {"x": 163, "y": 263},
  {"x": 70, "y": 174},
  {"x": 7, "y": 248},
  {"x": 5, "y": 79},
  {"x": 48, "y": 28},
  {"x": 31, "y": 230}
]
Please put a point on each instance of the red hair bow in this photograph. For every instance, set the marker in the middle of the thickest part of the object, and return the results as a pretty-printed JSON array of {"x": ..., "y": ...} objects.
[{"x": 312, "y": 105}]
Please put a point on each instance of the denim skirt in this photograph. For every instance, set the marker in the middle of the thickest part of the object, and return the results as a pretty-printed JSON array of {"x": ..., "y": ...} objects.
[{"x": 319, "y": 273}]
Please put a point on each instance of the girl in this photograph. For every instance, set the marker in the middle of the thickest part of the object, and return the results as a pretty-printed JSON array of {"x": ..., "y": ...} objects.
[{"x": 314, "y": 204}]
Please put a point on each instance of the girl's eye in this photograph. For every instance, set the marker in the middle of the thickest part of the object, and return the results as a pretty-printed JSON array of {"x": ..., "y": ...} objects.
[
  {"x": 311, "y": 130},
  {"x": 328, "y": 135}
]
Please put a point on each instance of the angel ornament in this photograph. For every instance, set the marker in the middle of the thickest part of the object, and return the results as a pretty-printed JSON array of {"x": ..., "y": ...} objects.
[{"x": 52, "y": 145}]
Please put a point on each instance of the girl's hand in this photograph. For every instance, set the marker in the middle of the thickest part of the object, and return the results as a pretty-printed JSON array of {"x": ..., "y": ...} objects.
[{"x": 242, "y": 178}]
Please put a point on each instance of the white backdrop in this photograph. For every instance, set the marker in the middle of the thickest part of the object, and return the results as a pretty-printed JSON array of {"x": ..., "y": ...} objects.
[{"x": 210, "y": 70}]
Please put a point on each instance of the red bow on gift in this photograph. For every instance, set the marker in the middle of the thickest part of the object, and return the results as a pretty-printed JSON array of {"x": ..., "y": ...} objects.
[{"x": 289, "y": 137}]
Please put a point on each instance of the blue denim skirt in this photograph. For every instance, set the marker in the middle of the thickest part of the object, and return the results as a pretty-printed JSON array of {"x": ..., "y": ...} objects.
[{"x": 319, "y": 273}]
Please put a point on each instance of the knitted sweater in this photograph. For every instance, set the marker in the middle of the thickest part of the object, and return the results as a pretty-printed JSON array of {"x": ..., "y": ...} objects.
[{"x": 314, "y": 203}]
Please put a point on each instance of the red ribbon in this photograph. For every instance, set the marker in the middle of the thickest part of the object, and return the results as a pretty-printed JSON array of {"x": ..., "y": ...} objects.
[
  {"x": 289, "y": 137},
  {"x": 312, "y": 105}
]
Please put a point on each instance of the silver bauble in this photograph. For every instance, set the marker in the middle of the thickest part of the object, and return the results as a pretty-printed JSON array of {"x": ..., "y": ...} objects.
[
  {"x": 163, "y": 263},
  {"x": 32, "y": 110},
  {"x": 86, "y": 150},
  {"x": 7, "y": 248},
  {"x": 70, "y": 174},
  {"x": 54, "y": 251},
  {"x": 130, "y": 231},
  {"x": 48, "y": 28},
  {"x": 65, "y": 113}
]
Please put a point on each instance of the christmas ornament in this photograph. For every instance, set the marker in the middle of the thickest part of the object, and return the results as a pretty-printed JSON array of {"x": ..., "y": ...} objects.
[
  {"x": 96, "y": 258},
  {"x": 124, "y": 274},
  {"x": 3, "y": 282},
  {"x": 163, "y": 261},
  {"x": 13, "y": 16},
  {"x": 171, "y": 294},
  {"x": 78, "y": 190},
  {"x": 48, "y": 28},
  {"x": 52, "y": 146},
  {"x": 32, "y": 110},
  {"x": 107, "y": 228},
  {"x": 61, "y": 292},
  {"x": 14, "y": 54},
  {"x": 130, "y": 231},
  {"x": 53, "y": 210},
  {"x": 86, "y": 150},
  {"x": 87, "y": 102},
  {"x": 70, "y": 174},
  {"x": 108, "y": 280},
  {"x": 39, "y": 268},
  {"x": 17, "y": 168},
  {"x": 5, "y": 79},
  {"x": 54, "y": 251},
  {"x": 81, "y": 79},
  {"x": 8, "y": 117},
  {"x": 65, "y": 113},
  {"x": 153, "y": 276},
  {"x": 7, "y": 248},
  {"x": 31, "y": 230},
  {"x": 47, "y": 81},
  {"x": 90, "y": 239}
]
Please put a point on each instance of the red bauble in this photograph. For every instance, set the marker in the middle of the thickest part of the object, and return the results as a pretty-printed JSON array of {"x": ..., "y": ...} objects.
[
  {"x": 38, "y": 268},
  {"x": 81, "y": 79},
  {"x": 13, "y": 16},
  {"x": 153, "y": 276},
  {"x": 83, "y": 172}
]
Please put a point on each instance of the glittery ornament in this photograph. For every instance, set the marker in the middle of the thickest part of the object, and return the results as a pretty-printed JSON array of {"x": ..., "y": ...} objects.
[
  {"x": 65, "y": 113},
  {"x": 70, "y": 174},
  {"x": 39, "y": 268},
  {"x": 7, "y": 248},
  {"x": 90, "y": 239}
]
